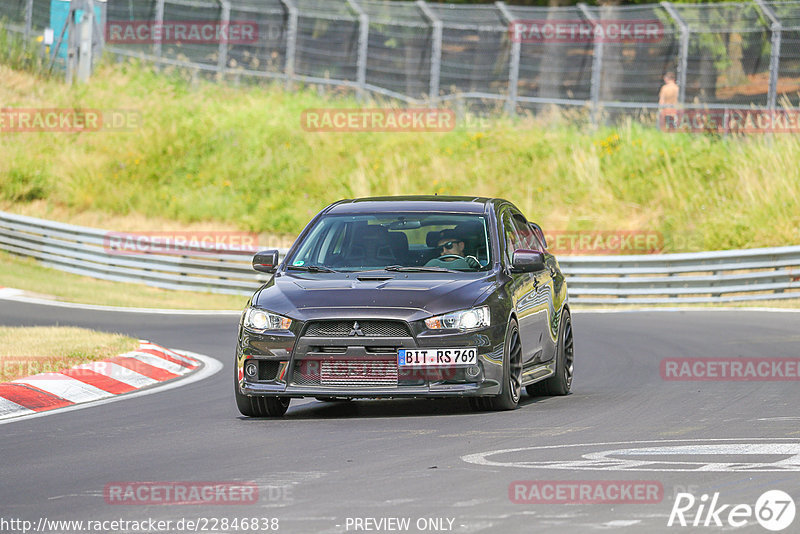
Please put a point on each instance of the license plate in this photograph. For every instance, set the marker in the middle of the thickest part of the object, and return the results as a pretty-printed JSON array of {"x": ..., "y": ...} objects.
[{"x": 437, "y": 357}]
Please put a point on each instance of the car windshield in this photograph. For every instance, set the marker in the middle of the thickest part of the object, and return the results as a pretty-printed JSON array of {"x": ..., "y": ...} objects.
[{"x": 429, "y": 242}]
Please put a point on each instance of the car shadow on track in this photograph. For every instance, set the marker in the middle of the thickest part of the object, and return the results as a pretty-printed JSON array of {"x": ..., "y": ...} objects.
[{"x": 359, "y": 409}]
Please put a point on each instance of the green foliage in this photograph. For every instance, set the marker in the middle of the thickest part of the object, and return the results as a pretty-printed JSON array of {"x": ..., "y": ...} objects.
[
  {"x": 240, "y": 156},
  {"x": 24, "y": 184},
  {"x": 15, "y": 53}
]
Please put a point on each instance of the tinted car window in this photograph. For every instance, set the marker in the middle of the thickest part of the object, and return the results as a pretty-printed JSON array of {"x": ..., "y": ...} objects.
[
  {"x": 363, "y": 242},
  {"x": 527, "y": 237},
  {"x": 511, "y": 235}
]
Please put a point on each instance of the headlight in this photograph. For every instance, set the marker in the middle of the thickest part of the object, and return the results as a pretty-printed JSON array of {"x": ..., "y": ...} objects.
[
  {"x": 264, "y": 320},
  {"x": 460, "y": 320}
]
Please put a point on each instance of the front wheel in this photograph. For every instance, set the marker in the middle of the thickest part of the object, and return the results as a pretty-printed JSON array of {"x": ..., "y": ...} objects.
[
  {"x": 561, "y": 382},
  {"x": 512, "y": 376},
  {"x": 258, "y": 406}
]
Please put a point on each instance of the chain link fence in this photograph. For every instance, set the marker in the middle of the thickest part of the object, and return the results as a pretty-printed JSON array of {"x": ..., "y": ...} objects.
[{"x": 725, "y": 55}]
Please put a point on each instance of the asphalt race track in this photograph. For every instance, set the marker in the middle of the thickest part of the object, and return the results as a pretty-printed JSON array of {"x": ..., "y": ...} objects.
[{"x": 324, "y": 463}]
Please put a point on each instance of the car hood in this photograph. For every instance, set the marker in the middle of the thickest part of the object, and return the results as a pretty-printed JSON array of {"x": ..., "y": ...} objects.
[{"x": 405, "y": 296}]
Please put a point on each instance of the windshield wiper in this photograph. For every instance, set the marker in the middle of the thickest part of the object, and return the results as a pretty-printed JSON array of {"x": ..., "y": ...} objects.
[
  {"x": 431, "y": 269},
  {"x": 312, "y": 268}
]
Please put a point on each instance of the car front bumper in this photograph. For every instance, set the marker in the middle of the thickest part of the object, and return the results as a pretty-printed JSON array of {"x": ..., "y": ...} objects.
[{"x": 290, "y": 366}]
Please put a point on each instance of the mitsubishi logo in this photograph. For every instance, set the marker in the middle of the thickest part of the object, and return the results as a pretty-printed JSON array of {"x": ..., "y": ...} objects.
[{"x": 356, "y": 330}]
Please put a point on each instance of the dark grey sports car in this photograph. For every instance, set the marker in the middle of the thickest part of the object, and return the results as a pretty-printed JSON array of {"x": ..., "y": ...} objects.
[{"x": 407, "y": 297}]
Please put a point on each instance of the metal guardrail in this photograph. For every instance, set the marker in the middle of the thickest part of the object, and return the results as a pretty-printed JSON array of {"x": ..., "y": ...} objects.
[
  {"x": 721, "y": 276},
  {"x": 86, "y": 251}
]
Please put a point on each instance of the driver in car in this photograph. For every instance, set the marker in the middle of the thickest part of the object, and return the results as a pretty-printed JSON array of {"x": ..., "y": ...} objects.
[{"x": 451, "y": 253}]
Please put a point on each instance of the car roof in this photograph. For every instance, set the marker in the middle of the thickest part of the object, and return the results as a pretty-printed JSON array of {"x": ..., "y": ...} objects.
[{"x": 430, "y": 203}]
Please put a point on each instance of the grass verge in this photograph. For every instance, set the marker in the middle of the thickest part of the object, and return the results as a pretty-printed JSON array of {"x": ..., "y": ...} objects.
[
  {"x": 240, "y": 156},
  {"x": 28, "y": 275},
  {"x": 26, "y": 351}
]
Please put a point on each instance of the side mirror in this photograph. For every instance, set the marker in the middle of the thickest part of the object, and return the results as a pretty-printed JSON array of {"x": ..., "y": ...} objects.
[
  {"x": 539, "y": 233},
  {"x": 266, "y": 261},
  {"x": 527, "y": 261}
]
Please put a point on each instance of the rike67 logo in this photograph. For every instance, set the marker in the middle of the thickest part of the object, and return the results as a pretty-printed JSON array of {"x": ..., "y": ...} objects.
[{"x": 774, "y": 510}]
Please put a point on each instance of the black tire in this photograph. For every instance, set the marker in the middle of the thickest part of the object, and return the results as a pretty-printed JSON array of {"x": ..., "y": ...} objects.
[
  {"x": 258, "y": 406},
  {"x": 512, "y": 376},
  {"x": 478, "y": 404},
  {"x": 561, "y": 382}
]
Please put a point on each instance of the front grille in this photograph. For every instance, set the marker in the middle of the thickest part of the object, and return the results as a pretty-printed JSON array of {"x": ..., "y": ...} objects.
[
  {"x": 345, "y": 373},
  {"x": 306, "y": 373},
  {"x": 350, "y": 373},
  {"x": 357, "y": 328},
  {"x": 267, "y": 370}
]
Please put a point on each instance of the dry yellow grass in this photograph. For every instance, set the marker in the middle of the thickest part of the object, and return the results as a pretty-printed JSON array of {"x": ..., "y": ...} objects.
[{"x": 26, "y": 351}]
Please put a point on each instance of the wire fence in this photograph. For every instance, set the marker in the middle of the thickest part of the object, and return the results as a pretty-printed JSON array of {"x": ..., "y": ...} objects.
[{"x": 725, "y": 55}]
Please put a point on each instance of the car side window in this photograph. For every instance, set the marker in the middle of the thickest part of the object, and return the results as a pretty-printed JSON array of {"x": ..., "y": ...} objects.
[
  {"x": 526, "y": 233},
  {"x": 511, "y": 235}
]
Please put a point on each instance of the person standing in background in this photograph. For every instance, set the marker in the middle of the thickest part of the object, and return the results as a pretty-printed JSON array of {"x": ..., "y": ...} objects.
[{"x": 667, "y": 102}]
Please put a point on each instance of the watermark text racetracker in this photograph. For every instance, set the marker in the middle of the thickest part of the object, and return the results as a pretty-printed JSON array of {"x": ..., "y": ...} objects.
[
  {"x": 586, "y": 491},
  {"x": 144, "y": 525},
  {"x": 584, "y": 31},
  {"x": 168, "y": 493},
  {"x": 181, "y": 32},
  {"x": 604, "y": 241},
  {"x": 69, "y": 120},
  {"x": 181, "y": 242},
  {"x": 730, "y": 120},
  {"x": 730, "y": 369},
  {"x": 378, "y": 120}
]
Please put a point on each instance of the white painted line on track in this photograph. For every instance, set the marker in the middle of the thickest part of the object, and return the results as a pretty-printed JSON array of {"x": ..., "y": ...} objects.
[
  {"x": 16, "y": 297},
  {"x": 117, "y": 372},
  {"x": 601, "y": 460},
  {"x": 620, "y": 523},
  {"x": 585, "y": 311},
  {"x": 64, "y": 387},
  {"x": 7, "y": 407},
  {"x": 211, "y": 366},
  {"x": 171, "y": 353},
  {"x": 155, "y": 361}
]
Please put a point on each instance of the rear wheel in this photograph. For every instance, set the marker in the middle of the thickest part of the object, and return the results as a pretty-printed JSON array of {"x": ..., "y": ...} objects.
[
  {"x": 561, "y": 382},
  {"x": 258, "y": 406},
  {"x": 512, "y": 376}
]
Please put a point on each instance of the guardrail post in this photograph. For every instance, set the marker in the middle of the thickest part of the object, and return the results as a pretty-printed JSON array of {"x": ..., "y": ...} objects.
[
  {"x": 159, "y": 23},
  {"x": 291, "y": 41},
  {"x": 513, "y": 66},
  {"x": 85, "y": 41},
  {"x": 775, "y": 52},
  {"x": 363, "y": 42},
  {"x": 683, "y": 60},
  {"x": 28, "y": 22},
  {"x": 225, "y": 22},
  {"x": 597, "y": 65},
  {"x": 436, "y": 50}
]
